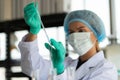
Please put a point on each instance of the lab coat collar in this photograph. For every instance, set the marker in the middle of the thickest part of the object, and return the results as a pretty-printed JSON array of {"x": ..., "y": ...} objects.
[{"x": 91, "y": 63}]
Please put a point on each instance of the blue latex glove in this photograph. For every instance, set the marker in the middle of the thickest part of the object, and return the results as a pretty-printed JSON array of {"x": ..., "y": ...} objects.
[
  {"x": 57, "y": 55},
  {"x": 32, "y": 17}
]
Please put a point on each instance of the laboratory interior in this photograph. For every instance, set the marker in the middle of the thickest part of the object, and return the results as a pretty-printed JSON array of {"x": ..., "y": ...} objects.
[{"x": 52, "y": 13}]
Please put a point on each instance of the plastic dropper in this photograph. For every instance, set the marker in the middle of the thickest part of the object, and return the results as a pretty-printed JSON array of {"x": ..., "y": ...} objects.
[
  {"x": 53, "y": 71},
  {"x": 43, "y": 26}
]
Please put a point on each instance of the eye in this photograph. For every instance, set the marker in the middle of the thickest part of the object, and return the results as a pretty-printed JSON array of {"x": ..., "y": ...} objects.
[{"x": 82, "y": 30}]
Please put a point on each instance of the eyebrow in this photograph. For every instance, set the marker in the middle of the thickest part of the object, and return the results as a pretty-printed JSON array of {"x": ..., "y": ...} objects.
[
  {"x": 82, "y": 27},
  {"x": 76, "y": 28}
]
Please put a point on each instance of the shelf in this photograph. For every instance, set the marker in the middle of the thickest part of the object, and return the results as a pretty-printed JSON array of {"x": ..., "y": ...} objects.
[{"x": 53, "y": 20}]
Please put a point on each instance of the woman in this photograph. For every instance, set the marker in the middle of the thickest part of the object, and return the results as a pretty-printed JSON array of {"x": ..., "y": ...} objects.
[{"x": 84, "y": 30}]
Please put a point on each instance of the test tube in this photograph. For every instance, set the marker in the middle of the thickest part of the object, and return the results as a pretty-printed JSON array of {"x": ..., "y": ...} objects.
[
  {"x": 70, "y": 73},
  {"x": 52, "y": 74}
]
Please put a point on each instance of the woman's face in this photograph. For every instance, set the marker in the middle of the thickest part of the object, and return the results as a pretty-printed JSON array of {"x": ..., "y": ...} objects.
[{"x": 80, "y": 27}]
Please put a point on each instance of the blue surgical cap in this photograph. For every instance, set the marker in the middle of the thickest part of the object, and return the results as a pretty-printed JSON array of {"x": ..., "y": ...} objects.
[{"x": 90, "y": 19}]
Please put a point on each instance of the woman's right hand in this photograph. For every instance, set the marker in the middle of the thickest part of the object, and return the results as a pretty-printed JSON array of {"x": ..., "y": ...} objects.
[{"x": 32, "y": 17}]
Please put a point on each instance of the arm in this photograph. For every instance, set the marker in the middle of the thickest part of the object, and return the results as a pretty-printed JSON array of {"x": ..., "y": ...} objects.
[
  {"x": 25, "y": 46},
  {"x": 30, "y": 58},
  {"x": 30, "y": 37}
]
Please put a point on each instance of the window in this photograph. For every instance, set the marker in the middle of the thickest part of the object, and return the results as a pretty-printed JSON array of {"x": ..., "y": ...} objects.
[
  {"x": 2, "y": 46},
  {"x": 117, "y": 19},
  {"x": 77, "y": 4},
  {"x": 15, "y": 54},
  {"x": 2, "y": 73}
]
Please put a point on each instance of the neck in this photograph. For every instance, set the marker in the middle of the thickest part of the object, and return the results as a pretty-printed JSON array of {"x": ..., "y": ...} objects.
[{"x": 88, "y": 55}]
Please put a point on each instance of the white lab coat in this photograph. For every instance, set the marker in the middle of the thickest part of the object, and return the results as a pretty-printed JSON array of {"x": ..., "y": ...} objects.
[{"x": 96, "y": 68}]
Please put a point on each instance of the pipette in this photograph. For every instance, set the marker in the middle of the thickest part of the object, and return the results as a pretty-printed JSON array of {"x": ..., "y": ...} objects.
[
  {"x": 43, "y": 26},
  {"x": 53, "y": 71}
]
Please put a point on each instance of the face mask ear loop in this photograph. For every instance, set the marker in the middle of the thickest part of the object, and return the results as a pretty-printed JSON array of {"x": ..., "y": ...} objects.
[{"x": 95, "y": 43}]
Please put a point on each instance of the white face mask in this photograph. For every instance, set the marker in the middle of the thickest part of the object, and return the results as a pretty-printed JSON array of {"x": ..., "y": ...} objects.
[{"x": 81, "y": 42}]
